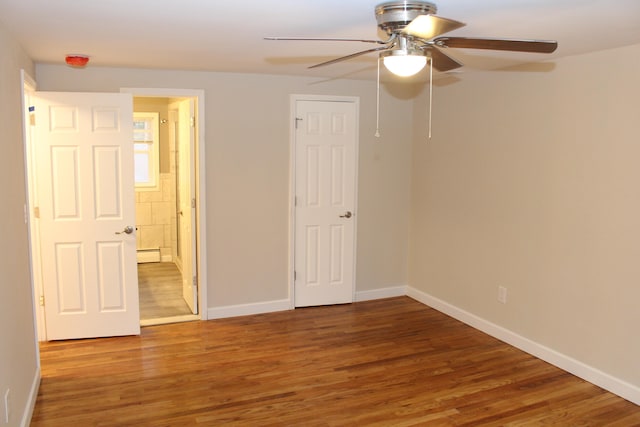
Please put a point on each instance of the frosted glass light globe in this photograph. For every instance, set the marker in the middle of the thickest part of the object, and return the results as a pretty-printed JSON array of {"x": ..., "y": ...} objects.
[{"x": 405, "y": 65}]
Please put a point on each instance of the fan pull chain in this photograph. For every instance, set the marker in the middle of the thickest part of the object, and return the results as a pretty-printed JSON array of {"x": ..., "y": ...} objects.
[
  {"x": 377, "y": 134},
  {"x": 430, "y": 92}
]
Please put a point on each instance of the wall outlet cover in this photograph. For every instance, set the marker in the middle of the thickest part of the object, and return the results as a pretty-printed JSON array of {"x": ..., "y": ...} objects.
[
  {"x": 502, "y": 294},
  {"x": 7, "y": 406}
]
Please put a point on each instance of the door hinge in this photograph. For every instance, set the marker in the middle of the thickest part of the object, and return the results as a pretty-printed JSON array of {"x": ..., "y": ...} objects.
[
  {"x": 195, "y": 281},
  {"x": 295, "y": 275},
  {"x": 193, "y": 203},
  {"x": 41, "y": 300},
  {"x": 36, "y": 212},
  {"x": 298, "y": 119},
  {"x": 192, "y": 121}
]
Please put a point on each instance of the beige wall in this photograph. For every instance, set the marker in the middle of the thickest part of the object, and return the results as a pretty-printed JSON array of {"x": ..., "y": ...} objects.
[
  {"x": 247, "y": 174},
  {"x": 532, "y": 182},
  {"x": 18, "y": 351}
]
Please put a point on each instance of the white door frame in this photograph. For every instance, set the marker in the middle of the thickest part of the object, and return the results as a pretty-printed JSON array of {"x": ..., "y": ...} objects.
[
  {"x": 29, "y": 87},
  {"x": 292, "y": 184},
  {"x": 200, "y": 190}
]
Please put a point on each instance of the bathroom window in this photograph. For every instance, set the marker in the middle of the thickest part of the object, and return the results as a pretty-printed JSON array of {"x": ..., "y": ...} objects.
[{"x": 145, "y": 151}]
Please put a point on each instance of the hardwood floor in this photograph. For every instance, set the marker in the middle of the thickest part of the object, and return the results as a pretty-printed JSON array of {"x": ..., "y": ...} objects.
[
  {"x": 392, "y": 362},
  {"x": 160, "y": 291}
]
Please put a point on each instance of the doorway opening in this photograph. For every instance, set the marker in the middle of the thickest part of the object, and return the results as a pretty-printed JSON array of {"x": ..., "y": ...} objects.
[
  {"x": 164, "y": 153},
  {"x": 191, "y": 205},
  {"x": 166, "y": 201}
]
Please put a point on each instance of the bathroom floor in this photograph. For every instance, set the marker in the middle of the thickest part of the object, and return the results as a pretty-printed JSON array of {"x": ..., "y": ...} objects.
[{"x": 160, "y": 291}]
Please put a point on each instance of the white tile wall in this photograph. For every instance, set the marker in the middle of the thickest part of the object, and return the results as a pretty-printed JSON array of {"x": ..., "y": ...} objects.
[{"x": 156, "y": 217}]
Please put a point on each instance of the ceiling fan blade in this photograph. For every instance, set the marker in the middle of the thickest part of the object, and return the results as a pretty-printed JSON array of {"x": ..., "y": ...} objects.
[
  {"x": 353, "y": 55},
  {"x": 534, "y": 46},
  {"x": 326, "y": 39},
  {"x": 443, "y": 62},
  {"x": 430, "y": 26}
]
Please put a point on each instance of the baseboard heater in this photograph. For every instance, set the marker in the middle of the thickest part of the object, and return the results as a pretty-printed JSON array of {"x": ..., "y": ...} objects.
[{"x": 148, "y": 255}]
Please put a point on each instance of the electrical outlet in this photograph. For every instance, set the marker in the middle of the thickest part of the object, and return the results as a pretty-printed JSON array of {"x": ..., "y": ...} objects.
[
  {"x": 7, "y": 406},
  {"x": 502, "y": 294}
]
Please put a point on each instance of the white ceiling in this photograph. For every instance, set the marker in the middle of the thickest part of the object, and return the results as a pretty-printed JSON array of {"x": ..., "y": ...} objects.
[{"x": 227, "y": 35}]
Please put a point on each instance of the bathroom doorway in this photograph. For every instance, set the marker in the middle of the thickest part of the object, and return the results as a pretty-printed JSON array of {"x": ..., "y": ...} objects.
[{"x": 164, "y": 141}]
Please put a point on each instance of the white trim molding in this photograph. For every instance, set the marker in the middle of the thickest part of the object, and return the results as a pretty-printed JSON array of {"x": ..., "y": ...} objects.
[
  {"x": 595, "y": 376},
  {"x": 247, "y": 309},
  {"x": 286, "y": 304},
  {"x": 31, "y": 400},
  {"x": 390, "y": 292}
]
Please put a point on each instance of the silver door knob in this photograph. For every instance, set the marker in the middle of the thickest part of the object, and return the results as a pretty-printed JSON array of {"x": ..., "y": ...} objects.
[
  {"x": 128, "y": 230},
  {"x": 347, "y": 214}
]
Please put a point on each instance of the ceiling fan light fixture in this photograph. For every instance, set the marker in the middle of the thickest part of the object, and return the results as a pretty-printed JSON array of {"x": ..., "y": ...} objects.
[{"x": 404, "y": 63}]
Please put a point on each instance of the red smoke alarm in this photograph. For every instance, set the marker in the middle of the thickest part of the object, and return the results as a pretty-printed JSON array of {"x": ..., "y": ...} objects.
[{"x": 77, "y": 60}]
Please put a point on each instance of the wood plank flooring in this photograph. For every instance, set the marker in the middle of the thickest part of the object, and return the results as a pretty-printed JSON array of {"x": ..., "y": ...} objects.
[
  {"x": 392, "y": 362},
  {"x": 160, "y": 291}
]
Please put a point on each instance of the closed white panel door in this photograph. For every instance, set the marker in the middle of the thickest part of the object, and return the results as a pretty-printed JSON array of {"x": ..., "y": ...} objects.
[
  {"x": 325, "y": 190},
  {"x": 84, "y": 156}
]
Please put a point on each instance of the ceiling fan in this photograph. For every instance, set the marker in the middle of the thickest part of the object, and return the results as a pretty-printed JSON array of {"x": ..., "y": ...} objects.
[
  {"x": 413, "y": 33},
  {"x": 414, "y": 38}
]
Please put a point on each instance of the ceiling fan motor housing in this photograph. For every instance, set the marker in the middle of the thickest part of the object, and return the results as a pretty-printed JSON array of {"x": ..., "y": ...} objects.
[{"x": 393, "y": 16}]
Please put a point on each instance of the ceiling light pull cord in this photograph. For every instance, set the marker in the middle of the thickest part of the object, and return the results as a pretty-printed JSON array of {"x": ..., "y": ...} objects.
[
  {"x": 430, "y": 92},
  {"x": 377, "y": 134}
]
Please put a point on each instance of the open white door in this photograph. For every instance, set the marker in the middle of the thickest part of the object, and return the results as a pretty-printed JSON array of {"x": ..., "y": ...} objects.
[
  {"x": 186, "y": 202},
  {"x": 84, "y": 155},
  {"x": 325, "y": 189}
]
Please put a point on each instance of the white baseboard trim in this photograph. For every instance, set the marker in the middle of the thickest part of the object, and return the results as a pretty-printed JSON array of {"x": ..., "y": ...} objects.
[
  {"x": 595, "y": 376},
  {"x": 395, "y": 291},
  {"x": 148, "y": 255},
  {"x": 283, "y": 305},
  {"x": 31, "y": 401},
  {"x": 247, "y": 309}
]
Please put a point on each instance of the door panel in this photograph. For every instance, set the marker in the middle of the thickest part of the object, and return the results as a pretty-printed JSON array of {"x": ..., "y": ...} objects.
[
  {"x": 84, "y": 156},
  {"x": 106, "y": 190},
  {"x": 65, "y": 182},
  {"x": 110, "y": 257},
  {"x": 70, "y": 281},
  {"x": 325, "y": 181},
  {"x": 186, "y": 218}
]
